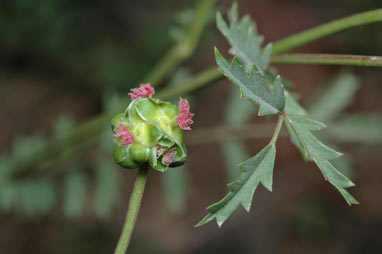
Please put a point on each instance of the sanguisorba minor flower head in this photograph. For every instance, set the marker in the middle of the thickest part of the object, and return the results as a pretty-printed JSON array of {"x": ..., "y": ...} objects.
[{"x": 151, "y": 131}]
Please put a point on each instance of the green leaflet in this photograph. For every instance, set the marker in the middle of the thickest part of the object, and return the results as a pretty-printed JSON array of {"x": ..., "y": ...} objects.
[
  {"x": 75, "y": 193},
  {"x": 349, "y": 127},
  {"x": 107, "y": 188},
  {"x": 244, "y": 40},
  {"x": 336, "y": 98},
  {"x": 175, "y": 187},
  {"x": 253, "y": 86},
  {"x": 255, "y": 170},
  {"x": 300, "y": 128},
  {"x": 63, "y": 125},
  {"x": 234, "y": 152},
  {"x": 238, "y": 112}
]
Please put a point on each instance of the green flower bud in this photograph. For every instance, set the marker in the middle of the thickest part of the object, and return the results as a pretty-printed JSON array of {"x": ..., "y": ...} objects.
[{"x": 150, "y": 131}]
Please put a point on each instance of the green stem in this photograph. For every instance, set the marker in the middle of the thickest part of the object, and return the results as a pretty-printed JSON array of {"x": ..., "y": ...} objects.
[
  {"x": 226, "y": 133},
  {"x": 277, "y": 130},
  {"x": 198, "y": 81},
  {"x": 132, "y": 212},
  {"x": 184, "y": 48},
  {"x": 325, "y": 30},
  {"x": 331, "y": 59},
  {"x": 43, "y": 159}
]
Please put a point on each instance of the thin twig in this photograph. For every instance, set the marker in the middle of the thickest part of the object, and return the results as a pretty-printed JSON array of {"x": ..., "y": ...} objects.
[
  {"x": 324, "y": 30},
  {"x": 330, "y": 59}
]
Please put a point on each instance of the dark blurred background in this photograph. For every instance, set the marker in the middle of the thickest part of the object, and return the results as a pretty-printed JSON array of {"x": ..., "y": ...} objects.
[{"x": 63, "y": 62}]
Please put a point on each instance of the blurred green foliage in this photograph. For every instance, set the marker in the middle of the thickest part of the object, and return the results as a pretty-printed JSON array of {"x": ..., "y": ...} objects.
[{"x": 72, "y": 40}]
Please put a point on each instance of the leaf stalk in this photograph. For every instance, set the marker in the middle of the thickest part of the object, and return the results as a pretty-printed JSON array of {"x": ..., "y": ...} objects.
[{"x": 277, "y": 130}]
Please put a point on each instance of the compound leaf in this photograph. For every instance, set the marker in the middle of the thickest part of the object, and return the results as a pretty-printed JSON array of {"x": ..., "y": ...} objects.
[{"x": 258, "y": 169}]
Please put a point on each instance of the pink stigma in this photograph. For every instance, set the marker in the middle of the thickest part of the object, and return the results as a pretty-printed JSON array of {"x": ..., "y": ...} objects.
[
  {"x": 145, "y": 90},
  {"x": 169, "y": 157},
  {"x": 122, "y": 135},
  {"x": 184, "y": 119}
]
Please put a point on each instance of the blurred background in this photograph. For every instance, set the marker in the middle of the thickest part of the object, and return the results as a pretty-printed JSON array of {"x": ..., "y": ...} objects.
[{"x": 65, "y": 62}]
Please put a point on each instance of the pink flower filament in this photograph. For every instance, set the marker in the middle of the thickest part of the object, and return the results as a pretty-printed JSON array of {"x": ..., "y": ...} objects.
[
  {"x": 169, "y": 157},
  {"x": 123, "y": 135},
  {"x": 145, "y": 90},
  {"x": 184, "y": 119},
  {"x": 160, "y": 150}
]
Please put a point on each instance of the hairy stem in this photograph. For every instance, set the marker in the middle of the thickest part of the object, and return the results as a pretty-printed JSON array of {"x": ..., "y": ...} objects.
[
  {"x": 132, "y": 212},
  {"x": 326, "y": 29},
  {"x": 330, "y": 59}
]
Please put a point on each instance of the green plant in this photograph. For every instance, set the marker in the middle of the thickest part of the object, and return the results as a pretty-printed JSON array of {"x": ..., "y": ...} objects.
[{"x": 251, "y": 71}]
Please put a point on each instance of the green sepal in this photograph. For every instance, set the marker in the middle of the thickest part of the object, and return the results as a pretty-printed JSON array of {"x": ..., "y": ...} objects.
[
  {"x": 156, "y": 100},
  {"x": 166, "y": 142},
  {"x": 160, "y": 167},
  {"x": 138, "y": 153},
  {"x": 181, "y": 151},
  {"x": 170, "y": 111},
  {"x": 147, "y": 109},
  {"x": 162, "y": 115},
  {"x": 116, "y": 119},
  {"x": 122, "y": 157},
  {"x": 153, "y": 160},
  {"x": 179, "y": 162},
  {"x": 145, "y": 132}
]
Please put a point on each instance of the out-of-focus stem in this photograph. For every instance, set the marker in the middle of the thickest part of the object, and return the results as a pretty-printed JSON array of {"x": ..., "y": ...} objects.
[
  {"x": 330, "y": 59},
  {"x": 222, "y": 133},
  {"x": 184, "y": 48},
  {"x": 321, "y": 31},
  {"x": 67, "y": 145}
]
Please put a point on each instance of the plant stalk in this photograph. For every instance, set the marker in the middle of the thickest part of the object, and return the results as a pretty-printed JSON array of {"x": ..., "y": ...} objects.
[
  {"x": 132, "y": 211},
  {"x": 184, "y": 48},
  {"x": 325, "y": 30},
  {"x": 330, "y": 59},
  {"x": 277, "y": 130}
]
